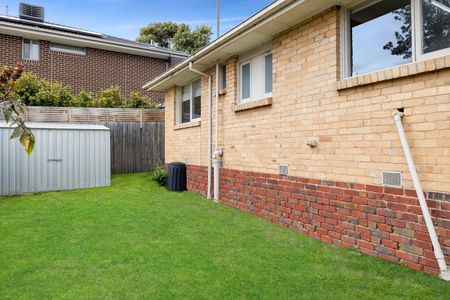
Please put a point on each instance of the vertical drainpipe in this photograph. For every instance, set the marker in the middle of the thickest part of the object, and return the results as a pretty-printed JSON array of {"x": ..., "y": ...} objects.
[
  {"x": 218, "y": 152},
  {"x": 191, "y": 68},
  {"x": 444, "y": 274}
]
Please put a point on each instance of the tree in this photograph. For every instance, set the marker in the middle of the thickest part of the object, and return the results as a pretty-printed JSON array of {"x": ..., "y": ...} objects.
[
  {"x": 436, "y": 30},
  {"x": 183, "y": 38},
  {"x": 12, "y": 107},
  {"x": 191, "y": 41},
  {"x": 404, "y": 39},
  {"x": 160, "y": 33}
]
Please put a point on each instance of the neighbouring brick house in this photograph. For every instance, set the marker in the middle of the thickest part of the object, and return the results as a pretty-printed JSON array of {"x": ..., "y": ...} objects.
[
  {"x": 318, "y": 71},
  {"x": 82, "y": 59}
]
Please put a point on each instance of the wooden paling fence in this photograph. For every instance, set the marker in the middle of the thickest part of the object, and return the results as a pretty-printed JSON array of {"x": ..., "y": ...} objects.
[{"x": 137, "y": 135}]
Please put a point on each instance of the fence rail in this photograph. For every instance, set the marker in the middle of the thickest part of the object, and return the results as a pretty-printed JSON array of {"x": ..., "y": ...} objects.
[
  {"x": 137, "y": 134},
  {"x": 92, "y": 115}
]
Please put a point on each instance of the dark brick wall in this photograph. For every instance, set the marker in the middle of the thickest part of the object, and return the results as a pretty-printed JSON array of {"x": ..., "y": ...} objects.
[
  {"x": 96, "y": 70},
  {"x": 376, "y": 220}
]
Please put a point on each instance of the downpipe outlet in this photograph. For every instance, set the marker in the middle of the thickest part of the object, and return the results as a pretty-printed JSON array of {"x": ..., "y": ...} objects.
[
  {"x": 216, "y": 158},
  {"x": 444, "y": 270}
]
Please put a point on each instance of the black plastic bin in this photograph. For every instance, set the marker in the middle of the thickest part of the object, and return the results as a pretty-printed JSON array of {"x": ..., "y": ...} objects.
[{"x": 176, "y": 177}]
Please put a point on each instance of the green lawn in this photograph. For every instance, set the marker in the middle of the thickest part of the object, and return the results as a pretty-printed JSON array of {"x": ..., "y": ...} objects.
[{"x": 135, "y": 240}]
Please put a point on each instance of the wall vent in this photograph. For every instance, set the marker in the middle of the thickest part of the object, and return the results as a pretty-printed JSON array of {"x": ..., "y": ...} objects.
[
  {"x": 284, "y": 170},
  {"x": 392, "y": 178},
  {"x": 31, "y": 12}
]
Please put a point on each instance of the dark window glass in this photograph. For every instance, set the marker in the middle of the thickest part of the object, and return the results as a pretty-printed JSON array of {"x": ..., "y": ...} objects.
[
  {"x": 436, "y": 25},
  {"x": 186, "y": 111},
  {"x": 224, "y": 77},
  {"x": 380, "y": 36},
  {"x": 268, "y": 73},
  {"x": 245, "y": 89},
  {"x": 196, "y": 108}
]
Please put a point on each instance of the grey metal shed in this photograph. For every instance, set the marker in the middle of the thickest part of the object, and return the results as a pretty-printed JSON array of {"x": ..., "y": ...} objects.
[{"x": 65, "y": 157}]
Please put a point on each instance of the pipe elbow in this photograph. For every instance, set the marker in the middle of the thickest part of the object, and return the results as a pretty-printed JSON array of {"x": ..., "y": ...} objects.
[{"x": 398, "y": 115}]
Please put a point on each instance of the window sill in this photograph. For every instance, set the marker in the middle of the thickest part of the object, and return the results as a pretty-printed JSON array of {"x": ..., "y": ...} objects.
[
  {"x": 187, "y": 125},
  {"x": 411, "y": 69},
  {"x": 253, "y": 104},
  {"x": 222, "y": 92}
]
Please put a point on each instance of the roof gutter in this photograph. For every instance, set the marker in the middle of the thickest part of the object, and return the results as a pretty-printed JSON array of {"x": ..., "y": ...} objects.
[
  {"x": 226, "y": 38},
  {"x": 87, "y": 41}
]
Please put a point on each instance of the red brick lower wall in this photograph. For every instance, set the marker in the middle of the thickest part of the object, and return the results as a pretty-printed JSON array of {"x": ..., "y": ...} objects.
[{"x": 376, "y": 220}]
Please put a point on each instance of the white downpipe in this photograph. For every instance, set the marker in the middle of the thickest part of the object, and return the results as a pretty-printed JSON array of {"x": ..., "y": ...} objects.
[
  {"x": 217, "y": 151},
  {"x": 208, "y": 193},
  {"x": 445, "y": 274}
]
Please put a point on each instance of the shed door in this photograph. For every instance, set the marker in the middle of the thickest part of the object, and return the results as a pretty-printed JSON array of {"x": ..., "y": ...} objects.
[{"x": 54, "y": 161}]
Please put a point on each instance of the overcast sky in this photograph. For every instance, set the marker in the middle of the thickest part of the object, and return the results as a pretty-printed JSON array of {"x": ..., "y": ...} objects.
[{"x": 123, "y": 18}]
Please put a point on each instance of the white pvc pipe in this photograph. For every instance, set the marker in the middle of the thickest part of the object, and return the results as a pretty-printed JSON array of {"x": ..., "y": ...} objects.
[
  {"x": 217, "y": 152},
  {"x": 423, "y": 203},
  {"x": 208, "y": 192}
]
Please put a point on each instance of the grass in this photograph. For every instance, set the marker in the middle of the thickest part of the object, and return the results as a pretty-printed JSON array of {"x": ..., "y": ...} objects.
[{"x": 135, "y": 240}]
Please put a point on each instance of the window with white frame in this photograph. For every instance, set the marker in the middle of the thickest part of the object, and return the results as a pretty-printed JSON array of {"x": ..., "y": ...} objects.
[
  {"x": 189, "y": 102},
  {"x": 67, "y": 49},
  {"x": 255, "y": 78},
  {"x": 30, "y": 49},
  {"x": 223, "y": 77},
  {"x": 383, "y": 33}
]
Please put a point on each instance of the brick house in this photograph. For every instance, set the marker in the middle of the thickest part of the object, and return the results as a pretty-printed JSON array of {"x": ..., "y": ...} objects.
[
  {"x": 84, "y": 60},
  {"x": 303, "y": 95}
]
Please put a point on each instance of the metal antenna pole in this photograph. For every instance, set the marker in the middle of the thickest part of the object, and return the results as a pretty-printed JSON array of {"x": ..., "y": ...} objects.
[{"x": 218, "y": 18}]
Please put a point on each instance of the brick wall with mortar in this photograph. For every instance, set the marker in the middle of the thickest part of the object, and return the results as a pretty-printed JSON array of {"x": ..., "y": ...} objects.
[
  {"x": 356, "y": 135},
  {"x": 375, "y": 220},
  {"x": 96, "y": 70}
]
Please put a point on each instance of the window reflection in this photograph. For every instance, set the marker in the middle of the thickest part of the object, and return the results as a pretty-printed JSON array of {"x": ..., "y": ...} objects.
[{"x": 381, "y": 36}]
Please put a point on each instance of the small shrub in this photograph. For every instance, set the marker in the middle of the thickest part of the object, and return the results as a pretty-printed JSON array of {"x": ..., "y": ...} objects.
[
  {"x": 137, "y": 100},
  {"x": 54, "y": 94},
  {"x": 111, "y": 97},
  {"x": 159, "y": 175},
  {"x": 27, "y": 87},
  {"x": 85, "y": 99}
]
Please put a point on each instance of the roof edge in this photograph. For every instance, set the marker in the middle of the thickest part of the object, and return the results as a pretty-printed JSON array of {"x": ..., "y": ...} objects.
[
  {"x": 10, "y": 28},
  {"x": 231, "y": 34}
]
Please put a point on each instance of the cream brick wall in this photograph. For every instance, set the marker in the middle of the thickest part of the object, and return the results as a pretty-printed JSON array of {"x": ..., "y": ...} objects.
[{"x": 356, "y": 135}]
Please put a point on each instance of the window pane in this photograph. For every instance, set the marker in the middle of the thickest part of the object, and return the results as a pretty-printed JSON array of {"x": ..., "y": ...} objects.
[
  {"x": 381, "y": 36},
  {"x": 436, "y": 25},
  {"x": 186, "y": 92},
  {"x": 268, "y": 73},
  {"x": 196, "y": 108},
  {"x": 224, "y": 76},
  {"x": 34, "y": 50},
  {"x": 245, "y": 73},
  {"x": 26, "y": 49},
  {"x": 185, "y": 111},
  {"x": 67, "y": 49}
]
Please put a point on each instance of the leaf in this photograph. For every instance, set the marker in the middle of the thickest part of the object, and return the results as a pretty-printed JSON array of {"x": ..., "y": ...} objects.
[
  {"x": 7, "y": 114},
  {"x": 16, "y": 133},
  {"x": 31, "y": 145},
  {"x": 27, "y": 141}
]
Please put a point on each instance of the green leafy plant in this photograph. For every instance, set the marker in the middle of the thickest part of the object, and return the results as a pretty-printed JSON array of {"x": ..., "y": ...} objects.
[
  {"x": 54, "y": 94},
  {"x": 13, "y": 108},
  {"x": 159, "y": 175},
  {"x": 85, "y": 99},
  {"x": 180, "y": 35},
  {"x": 137, "y": 100},
  {"x": 27, "y": 87},
  {"x": 191, "y": 41},
  {"x": 111, "y": 97}
]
